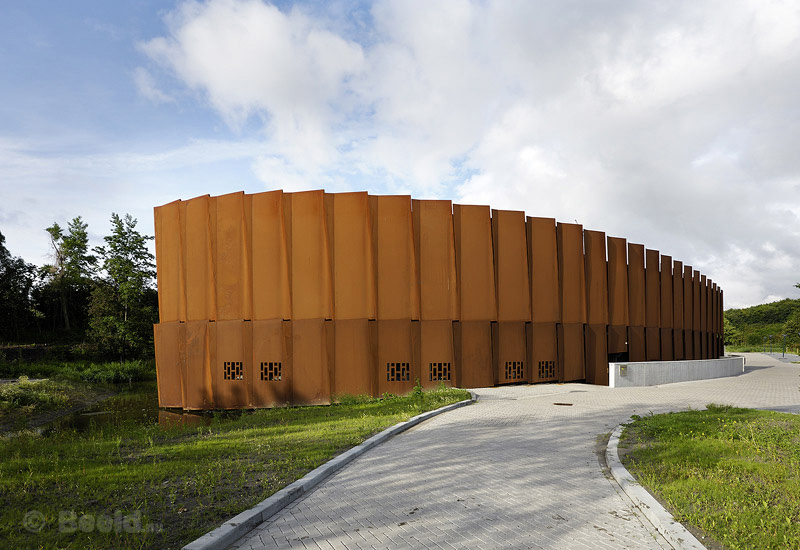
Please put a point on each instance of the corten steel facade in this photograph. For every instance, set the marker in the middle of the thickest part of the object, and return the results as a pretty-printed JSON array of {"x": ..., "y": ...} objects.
[{"x": 278, "y": 298}]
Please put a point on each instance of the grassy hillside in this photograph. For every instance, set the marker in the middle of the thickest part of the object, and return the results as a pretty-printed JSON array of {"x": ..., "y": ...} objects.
[{"x": 748, "y": 327}]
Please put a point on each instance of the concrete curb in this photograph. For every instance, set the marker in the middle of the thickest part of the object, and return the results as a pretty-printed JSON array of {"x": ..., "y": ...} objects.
[
  {"x": 241, "y": 524},
  {"x": 675, "y": 534}
]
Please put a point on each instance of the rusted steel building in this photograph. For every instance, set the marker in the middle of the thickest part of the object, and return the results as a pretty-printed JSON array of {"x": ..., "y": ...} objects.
[{"x": 290, "y": 298}]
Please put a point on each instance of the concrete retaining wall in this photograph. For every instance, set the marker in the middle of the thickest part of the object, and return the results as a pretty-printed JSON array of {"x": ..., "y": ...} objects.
[{"x": 654, "y": 373}]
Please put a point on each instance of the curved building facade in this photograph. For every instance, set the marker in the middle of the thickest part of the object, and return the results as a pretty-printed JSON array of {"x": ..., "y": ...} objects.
[{"x": 277, "y": 298}]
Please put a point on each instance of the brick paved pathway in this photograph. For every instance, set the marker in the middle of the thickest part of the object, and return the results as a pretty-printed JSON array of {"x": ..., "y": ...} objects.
[{"x": 514, "y": 470}]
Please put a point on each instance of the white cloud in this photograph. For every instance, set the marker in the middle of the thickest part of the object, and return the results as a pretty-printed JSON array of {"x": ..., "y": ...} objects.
[
  {"x": 249, "y": 58},
  {"x": 147, "y": 87},
  {"x": 671, "y": 124}
]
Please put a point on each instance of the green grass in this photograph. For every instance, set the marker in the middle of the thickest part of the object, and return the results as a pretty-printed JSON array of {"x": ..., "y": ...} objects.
[
  {"x": 744, "y": 349},
  {"x": 186, "y": 480},
  {"x": 759, "y": 349},
  {"x": 733, "y": 473},
  {"x": 109, "y": 372},
  {"x": 41, "y": 394}
]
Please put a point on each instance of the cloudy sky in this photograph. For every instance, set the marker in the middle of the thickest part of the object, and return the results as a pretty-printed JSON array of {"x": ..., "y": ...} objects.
[{"x": 673, "y": 124}]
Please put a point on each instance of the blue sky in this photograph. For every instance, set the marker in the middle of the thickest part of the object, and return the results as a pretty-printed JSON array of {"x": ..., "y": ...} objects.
[{"x": 671, "y": 125}]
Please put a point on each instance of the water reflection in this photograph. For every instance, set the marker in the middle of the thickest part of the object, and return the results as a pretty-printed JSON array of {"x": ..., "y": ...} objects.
[
  {"x": 135, "y": 404},
  {"x": 170, "y": 419}
]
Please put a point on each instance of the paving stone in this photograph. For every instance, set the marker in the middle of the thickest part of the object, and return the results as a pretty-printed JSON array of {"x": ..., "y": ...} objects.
[{"x": 513, "y": 470}]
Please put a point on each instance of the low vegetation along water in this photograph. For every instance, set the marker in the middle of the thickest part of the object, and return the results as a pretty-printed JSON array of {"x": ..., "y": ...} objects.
[
  {"x": 123, "y": 474},
  {"x": 731, "y": 474}
]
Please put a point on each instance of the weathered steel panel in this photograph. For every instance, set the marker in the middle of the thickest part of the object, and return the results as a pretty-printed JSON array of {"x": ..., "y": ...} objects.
[
  {"x": 473, "y": 349},
  {"x": 398, "y": 365},
  {"x": 169, "y": 362},
  {"x": 169, "y": 263},
  {"x": 436, "y": 268},
  {"x": 247, "y": 252},
  {"x": 232, "y": 260},
  {"x": 711, "y": 314},
  {"x": 594, "y": 245},
  {"x": 198, "y": 256},
  {"x": 677, "y": 344},
  {"x": 687, "y": 298},
  {"x": 398, "y": 294},
  {"x": 271, "y": 376},
  {"x": 572, "y": 281},
  {"x": 677, "y": 296},
  {"x": 352, "y": 258},
  {"x": 711, "y": 320},
  {"x": 652, "y": 285},
  {"x": 667, "y": 301},
  {"x": 310, "y": 267},
  {"x": 196, "y": 372},
  {"x": 312, "y": 361},
  {"x": 474, "y": 262},
  {"x": 652, "y": 344},
  {"x": 617, "y": 281},
  {"x": 688, "y": 345},
  {"x": 696, "y": 311},
  {"x": 703, "y": 345},
  {"x": 492, "y": 293},
  {"x": 667, "y": 346},
  {"x": 509, "y": 353},
  {"x": 543, "y": 268},
  {"x": 543, "y": 352},
  {"x": 714, "y": 310},
  {"x": 272, "y": 298},
  {"x": 636, "y": 285},
  {"x": 697, "y": 346},
  {"x": 437, "y": 356},
  {"x": 596, "y": 354},
  {"x": 618, "y": 340},
  {"x": 703, "y": 303},
  {"x": 636, "y": 347},
  {"x": 570, "y": 352},
  {"x": 715, "y": 305},
  {"x": 355, "y": 357},
  {"x": 510, "y": 246},
  {"x": 230, "y": 363}
]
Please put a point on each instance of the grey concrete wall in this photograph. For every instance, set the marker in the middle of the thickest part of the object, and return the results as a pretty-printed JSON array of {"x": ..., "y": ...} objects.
[{"x": 653, "y": 373}]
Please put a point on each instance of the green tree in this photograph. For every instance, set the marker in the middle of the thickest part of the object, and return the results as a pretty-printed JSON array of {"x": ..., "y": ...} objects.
[
  {"x": 731, "y": 333},
  {"x": 757, "y": 323},
  {"x": 124, "y": 302},
  {"x": 16, "y": 281},
  {"x": 70, "y": 275},
  {"x": 791, "y": 328}
]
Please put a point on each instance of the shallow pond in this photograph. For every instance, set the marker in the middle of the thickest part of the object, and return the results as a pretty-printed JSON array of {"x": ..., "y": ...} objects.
[{"x": 133, "y": 403}]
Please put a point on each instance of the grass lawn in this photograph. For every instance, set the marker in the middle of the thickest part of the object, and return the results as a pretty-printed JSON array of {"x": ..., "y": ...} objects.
[
  {"x": 93, "y": 372},
  {"x": 732, "y": 473},
  {"x": 758, "y": 349},
  {"x": 85, "y": 488}
]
